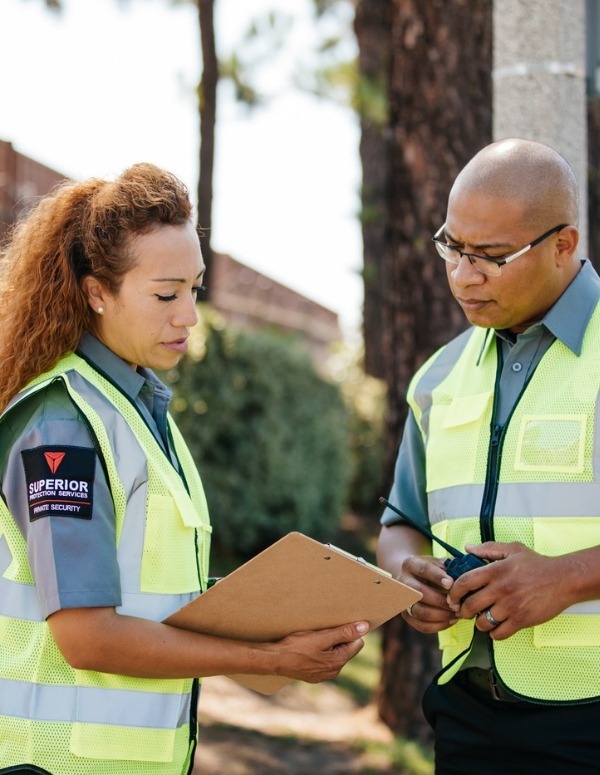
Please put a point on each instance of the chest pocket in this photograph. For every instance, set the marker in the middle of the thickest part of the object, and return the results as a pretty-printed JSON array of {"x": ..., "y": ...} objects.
[
  {"x": 453, "y": 455},
  {"x": 552, "y": 443},
  {"x": 170, "y": 562}
]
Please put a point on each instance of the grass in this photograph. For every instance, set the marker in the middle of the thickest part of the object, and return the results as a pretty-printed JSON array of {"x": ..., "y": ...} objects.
[
  {"x": 360, "y": 677},
  {"x": 407, "y": 757},
  {"x": 360, "y": 680}
]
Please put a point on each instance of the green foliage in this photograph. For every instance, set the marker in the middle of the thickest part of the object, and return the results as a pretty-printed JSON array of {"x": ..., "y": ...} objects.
[
  {"x": 365, "y": 398},
  {"x": 370, "y": 99},
  {"x": 262, "y": 43},
  {"x": 269, "y": 435},
  {"x": 367, "y": 451}
]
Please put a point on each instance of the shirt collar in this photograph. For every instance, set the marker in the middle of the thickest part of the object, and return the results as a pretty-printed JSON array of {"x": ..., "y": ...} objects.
[
  {"x": 129, "y": 381},
  {"x": 568, "y": 319}
]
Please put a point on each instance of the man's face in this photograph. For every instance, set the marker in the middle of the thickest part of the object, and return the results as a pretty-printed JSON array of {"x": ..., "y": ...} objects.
[{"x": 526, "y": 288}]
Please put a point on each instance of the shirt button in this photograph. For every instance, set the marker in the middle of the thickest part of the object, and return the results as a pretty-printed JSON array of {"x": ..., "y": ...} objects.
[{"x": 516, "y": 366}]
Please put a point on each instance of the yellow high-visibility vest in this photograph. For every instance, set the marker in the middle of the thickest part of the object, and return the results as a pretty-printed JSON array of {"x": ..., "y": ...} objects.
[
  {"x": 536, "y": 481},
  {"x": 75, "y": 722}
]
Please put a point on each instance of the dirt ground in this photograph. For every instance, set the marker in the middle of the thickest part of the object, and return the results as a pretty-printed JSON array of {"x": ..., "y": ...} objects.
[{"x": 300, "y": 730}]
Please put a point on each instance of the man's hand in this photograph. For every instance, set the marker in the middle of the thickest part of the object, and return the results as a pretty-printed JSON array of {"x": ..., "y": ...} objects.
[
  {"x": 427, "y": 575},
  {"x": 519, "y": 588},
  {"x": 406, "y": 554}
]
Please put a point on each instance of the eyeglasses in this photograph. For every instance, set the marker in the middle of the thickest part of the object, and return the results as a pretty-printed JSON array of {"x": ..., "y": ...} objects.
[{"x": 484, "y": 264}]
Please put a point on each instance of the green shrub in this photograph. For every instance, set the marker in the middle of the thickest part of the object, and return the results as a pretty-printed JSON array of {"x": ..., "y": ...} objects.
[
  {"x": 365, "y": 398},
  {"x": 269, "y": 436}
]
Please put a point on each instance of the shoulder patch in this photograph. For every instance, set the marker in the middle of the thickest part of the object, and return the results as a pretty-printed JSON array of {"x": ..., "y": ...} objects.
[{"x": 60, "y": 481}]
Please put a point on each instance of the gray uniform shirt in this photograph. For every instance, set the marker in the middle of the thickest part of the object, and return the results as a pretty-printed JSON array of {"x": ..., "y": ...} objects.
[
  {"x": 73, "y": 560},
  {"x": 567, "y": 321}
]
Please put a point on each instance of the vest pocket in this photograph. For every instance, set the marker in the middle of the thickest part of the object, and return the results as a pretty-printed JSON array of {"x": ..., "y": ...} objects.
[
  {"x": 578, "y": 625},
  {"x": 551, "y": 442},
  {"x": 452, "y": 456},
  {"x": 169, "y": 560},
  {"x": 115, "y": 720},
  {"x": 96, "y": 741}
]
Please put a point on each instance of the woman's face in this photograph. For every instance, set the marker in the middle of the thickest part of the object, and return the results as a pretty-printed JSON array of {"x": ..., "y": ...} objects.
[{"x": 147, "y": 322}]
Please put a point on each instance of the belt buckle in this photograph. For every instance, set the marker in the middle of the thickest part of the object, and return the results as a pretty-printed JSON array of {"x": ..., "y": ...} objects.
[{"x": 495, "y": 689}]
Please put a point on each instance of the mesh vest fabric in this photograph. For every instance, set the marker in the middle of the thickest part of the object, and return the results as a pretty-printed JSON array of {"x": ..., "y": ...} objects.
[
  {"x": 71, "y": 721},
  {"x": 548, "y": 496}
]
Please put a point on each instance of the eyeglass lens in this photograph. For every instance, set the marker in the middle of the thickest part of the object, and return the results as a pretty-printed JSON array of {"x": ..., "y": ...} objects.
[{"x": 453, "y": 255}]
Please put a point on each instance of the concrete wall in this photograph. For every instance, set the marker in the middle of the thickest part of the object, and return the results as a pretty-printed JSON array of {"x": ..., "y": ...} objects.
[{"x": 539, "y": 80}]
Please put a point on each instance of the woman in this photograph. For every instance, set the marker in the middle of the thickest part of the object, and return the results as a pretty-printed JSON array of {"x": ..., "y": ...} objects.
[{"x": 104, "y": 522}]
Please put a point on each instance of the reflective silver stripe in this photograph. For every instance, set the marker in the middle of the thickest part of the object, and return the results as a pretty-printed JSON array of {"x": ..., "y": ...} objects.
[
  {"x": 132, "y": 466},
  {"x": 454, "y": 502},
  {"x": 18, "y": 601},
  {"x": 153, "y": 606},
  {"x": 131, "y": 463},
  {"x": 589, "y": 607},
  {"x": 522, "y": 500},
  {"x": 40, "y": 702}
]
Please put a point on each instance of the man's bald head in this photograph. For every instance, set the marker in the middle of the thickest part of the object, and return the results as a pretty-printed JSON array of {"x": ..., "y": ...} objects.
[{"x": 524, "y": 171}]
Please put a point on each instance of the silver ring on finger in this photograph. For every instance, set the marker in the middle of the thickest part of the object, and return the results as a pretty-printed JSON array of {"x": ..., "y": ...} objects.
[{"x": 488, "y": 615}]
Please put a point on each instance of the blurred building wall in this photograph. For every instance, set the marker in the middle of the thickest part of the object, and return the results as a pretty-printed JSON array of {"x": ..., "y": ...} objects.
[
  {"x": 22, "y": 181},
  {"x": 245, "y": 298},
  {"x": 249, "y": 300}
]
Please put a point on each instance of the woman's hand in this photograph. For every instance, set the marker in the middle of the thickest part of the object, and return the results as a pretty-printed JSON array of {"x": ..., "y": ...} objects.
[
  {"x": 100, "y": 639},
  {"x": 319, "y": 655}
]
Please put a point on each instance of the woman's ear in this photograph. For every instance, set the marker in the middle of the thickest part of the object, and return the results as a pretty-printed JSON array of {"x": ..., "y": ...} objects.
[{"x": 95, "y": 293}]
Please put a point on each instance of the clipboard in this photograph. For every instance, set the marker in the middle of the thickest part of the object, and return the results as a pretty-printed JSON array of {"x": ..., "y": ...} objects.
[{"x": 295, "y": 584}]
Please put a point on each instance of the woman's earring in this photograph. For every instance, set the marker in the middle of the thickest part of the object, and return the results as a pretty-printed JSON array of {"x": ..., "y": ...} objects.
[{"x": 100, "y": 310}]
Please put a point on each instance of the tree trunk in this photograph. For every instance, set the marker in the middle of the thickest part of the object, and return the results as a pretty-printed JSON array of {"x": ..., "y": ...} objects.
[
  {"x": 440, "y": 102},
  {"x": 372, "y": 26},
  {"x": 208, "y": 116}
]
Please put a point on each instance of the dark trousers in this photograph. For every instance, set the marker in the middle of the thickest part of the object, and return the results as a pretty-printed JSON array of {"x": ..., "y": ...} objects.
[{"x": 476, "y": 734}]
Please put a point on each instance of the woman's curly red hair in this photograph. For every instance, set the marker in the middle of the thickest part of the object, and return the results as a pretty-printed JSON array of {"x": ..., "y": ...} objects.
[{"x": 79, "y": 229}]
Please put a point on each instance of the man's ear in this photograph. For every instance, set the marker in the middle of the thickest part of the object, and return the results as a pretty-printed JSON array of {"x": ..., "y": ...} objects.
[
  {"x": 95, "y": 292},
  {"x": 568, "y": 240}
]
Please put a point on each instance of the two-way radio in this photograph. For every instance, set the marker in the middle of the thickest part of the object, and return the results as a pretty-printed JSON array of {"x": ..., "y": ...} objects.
[{"x": 459, "y": 563}]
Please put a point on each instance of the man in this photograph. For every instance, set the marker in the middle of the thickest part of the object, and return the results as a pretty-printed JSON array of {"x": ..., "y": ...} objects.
[{"x": 500, "y": 456}]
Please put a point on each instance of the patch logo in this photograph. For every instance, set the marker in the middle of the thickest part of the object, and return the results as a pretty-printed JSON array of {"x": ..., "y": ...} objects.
[
  {"x": 54, "y": 459},
  {"x": 60, "y": 481}
]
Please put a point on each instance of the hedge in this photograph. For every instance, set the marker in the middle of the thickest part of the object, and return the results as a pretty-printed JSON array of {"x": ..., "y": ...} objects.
[{"x": 269, "y": 435}]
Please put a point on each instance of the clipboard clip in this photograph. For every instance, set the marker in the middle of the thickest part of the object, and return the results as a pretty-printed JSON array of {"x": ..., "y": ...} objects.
[{"x": 360, "y": 560}]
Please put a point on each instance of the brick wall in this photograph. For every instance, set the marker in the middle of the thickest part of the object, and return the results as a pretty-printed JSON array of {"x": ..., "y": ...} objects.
[
  {"x": 244, "y": 297},
  {"x": 22, "y": 181},
  {"x": 250, "y": 300}
]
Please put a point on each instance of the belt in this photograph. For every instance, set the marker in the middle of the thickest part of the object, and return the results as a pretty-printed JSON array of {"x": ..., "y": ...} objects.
[{"x": 485, "y": 681}]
